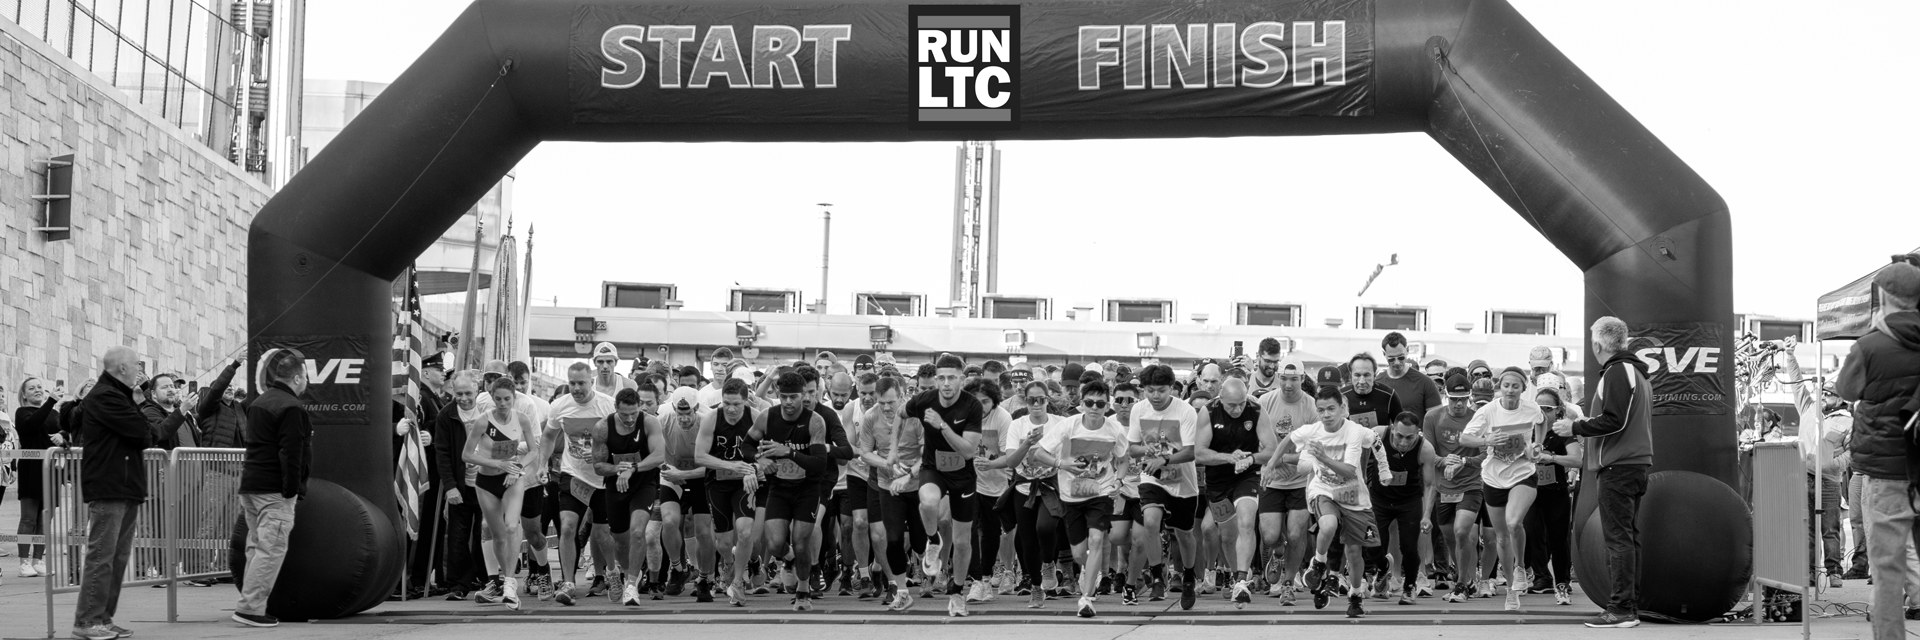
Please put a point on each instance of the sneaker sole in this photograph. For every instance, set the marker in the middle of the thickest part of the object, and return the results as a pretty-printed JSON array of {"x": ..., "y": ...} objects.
[
  {"x": 237, "y": 618},
  {"x": 1619, "y": 625}
]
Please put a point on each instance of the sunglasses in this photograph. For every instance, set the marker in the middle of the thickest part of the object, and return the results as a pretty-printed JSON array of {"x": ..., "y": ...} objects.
[
  {"x": 1036, "y": 399},
  {"x": 1094, "y": 404},
  {"x": 1478, "y": 374},
  {"x": 1124, "y": 401},
  {"x": 1550, "y": 408}
]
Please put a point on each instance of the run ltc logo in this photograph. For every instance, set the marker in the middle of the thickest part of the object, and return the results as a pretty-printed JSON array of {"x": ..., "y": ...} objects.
[{"x": 965, "y": 67}]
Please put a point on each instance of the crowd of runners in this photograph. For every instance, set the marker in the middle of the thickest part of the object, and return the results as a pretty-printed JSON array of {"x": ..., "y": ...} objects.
[{"x": 1253, "y": 478}]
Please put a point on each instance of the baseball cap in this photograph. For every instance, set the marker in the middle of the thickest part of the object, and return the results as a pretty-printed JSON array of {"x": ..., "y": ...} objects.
[
  {"x": 1551, "y": 380},
  {"x": 1019, "y": 377},
  {"x": 1330, "y": 376},
  {"x": 1459, "y": 387},
  {"x": 605, "y": 350},
  {"x": 1482, "y": 390},
  {"x": 683, "y": 398},
  {"x": 1292, "y": 362},
  {"x": 884, "y": 358},
  {"x": 826, "y": 354},
  {"x": 1540, "y": 357},
  {"x": 1070, "y": 374},
  {"x": 1438, "y": 361},
  {"x": 1900, "y": 279}
]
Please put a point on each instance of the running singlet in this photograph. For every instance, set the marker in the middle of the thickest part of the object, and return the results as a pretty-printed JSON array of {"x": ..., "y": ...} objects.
[
  {"x": 507, "y": 442},
  {"x": 993, "y": 432},
  {"x": 1232, "y": 434},
  {"x": 729, "y": 438},
  {"x": 797, "y": 434},
  {"x": 630, "y": 448},
  {"x": 575, "y": 420},
  {"x": 619, "y": 382},
  {"x": 678, "y": 433},
  {"x": 963, "y": 417},
  {"x": 1403, "y": 480}
]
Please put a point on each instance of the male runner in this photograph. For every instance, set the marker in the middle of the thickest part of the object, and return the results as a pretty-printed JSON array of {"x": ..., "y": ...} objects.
[
  {"x": 723, "y": 366},
  {"x": 629, "y": 450},
  {"x": 720, "y": 448},
  {"x": 683, "y": 501},
  {"x": 576, "y": 416},
  {"x": 832, "y": 481},
  {"x": 1163, "y": 434},
  {"x": 1336, "y": 495},
  {"x": 1233, "y": 448},
  {"x": 1264, "y": 376},
  {"x": 859, "y": 530},
  {"x": 1370, "y": 405},
  {"x": 1126, "y": 503},
  {"x": 951, "y": 419},
  {"x": 1283, "y": 496},
  {"x": 891, "y": 452},
  {"x": 1404, "y": 496},
  {"x": 606, "y": 381},
  {"x": 1458, "y": 481},
  {"x": 1089, "y": 451},
  {"x": 1415, "y": 391},
  {"x": 991, "y": 482},
  {"x": 791, "y": 444}
]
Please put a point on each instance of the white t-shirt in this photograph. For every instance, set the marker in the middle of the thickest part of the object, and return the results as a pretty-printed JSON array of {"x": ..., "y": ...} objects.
[
  {"x": 1104, "y": 450},
  {"x": 1509, "y": 435},
  {"x": 1282, "y": 418},
  {"x": 1349, "y": 445},
  {"x": 1165, "y": 433},
  {"x": 709, "y": 397},
  {"x": 575, "y": 422},
  {"x": 993, "y": 431},
  {"x": 1016, "y": 433}
]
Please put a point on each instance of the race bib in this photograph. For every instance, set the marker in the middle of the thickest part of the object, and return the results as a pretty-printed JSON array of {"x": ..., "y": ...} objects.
[
  {"x": 727, "y": 474},
  {"x": 1365, "y": 419},
  {"x": 1222, "y": 510},
  {"x": 503, "y": 450},
  {"x": 1547, "y": 474},
  {"x": 1347, "y": 495},
  {"x": 1398, "y": 479},
  {"x": 948, "y": 461},
  {"x": 629, "y": 458},
  {"x": 787, "y": 469},
  {"x": 581, "y": 491},
  {"x": 1451, "y": 498}
]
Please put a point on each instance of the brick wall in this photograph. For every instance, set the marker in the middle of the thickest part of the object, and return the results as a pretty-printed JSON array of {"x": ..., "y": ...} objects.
[{"x": 157, "y": 260}]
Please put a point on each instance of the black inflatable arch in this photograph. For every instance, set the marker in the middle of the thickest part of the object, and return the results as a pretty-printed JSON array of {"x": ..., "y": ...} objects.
[{"x": 1651, "y": 236}]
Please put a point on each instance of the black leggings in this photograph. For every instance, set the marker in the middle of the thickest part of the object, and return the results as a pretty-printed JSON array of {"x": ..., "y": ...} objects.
[
  {"x": 829, "y": 532},
  {"x": 1549, "y": 526},
  {"x": 1035, "y": 533},
  {"x": 986, "y": 534}
]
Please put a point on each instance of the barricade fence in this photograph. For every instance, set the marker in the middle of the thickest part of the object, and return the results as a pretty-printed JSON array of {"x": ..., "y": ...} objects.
[{"x": 182, "y": 531}]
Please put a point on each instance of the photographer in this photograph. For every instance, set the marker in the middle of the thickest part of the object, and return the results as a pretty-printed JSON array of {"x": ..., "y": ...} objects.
[
  {"x": 1880, "y": 375},
  {"x": 1824, "y": 421}
]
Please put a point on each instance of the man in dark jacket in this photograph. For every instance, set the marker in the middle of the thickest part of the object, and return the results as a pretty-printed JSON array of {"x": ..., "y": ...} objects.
[
  {"x": 220, "y": 415},
  {"x": 273, "y": 477},
  {"x": 1879, "y": 377},
  {"x": 113, "y": 478},
  {"x": 463, "y": 559},
  {"x": 169, "y": 418},
  {"x": 1619, "y": 443}
]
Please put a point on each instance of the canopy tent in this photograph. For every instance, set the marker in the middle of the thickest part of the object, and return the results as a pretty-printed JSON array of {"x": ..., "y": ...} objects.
[{"x": 1846, "y": 313}]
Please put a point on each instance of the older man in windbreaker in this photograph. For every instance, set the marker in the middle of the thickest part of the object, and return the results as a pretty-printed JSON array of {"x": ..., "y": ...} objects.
[{"x": 1619, "y": 443}]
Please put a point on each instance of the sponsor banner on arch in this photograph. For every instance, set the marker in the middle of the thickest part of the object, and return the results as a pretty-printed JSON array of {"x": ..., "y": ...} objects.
[
  {"x": 1055, "y": 61},
  {"x": 337, "y": 375},
  {"x": 1683, "y": 363}
]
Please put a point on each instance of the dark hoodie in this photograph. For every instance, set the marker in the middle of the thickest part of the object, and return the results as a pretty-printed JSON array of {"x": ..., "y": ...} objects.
[
  {"x": 1621, "y": 429},
  {"x": 1880, "y": 375}
]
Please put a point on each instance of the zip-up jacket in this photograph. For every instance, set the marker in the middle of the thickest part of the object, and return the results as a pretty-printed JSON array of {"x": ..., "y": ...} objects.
[
  {"x": 1621, "y": 429},
  {"x": 1879, "y": 377}
]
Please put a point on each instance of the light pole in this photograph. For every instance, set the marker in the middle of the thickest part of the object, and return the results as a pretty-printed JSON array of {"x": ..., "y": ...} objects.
[{"x": 826, "y": 252}]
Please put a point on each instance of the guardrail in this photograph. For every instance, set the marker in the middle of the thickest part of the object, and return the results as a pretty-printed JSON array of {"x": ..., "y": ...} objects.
[{"x": 182, "y": 531}]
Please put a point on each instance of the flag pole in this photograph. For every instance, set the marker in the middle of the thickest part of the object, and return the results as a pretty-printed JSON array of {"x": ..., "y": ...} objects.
[{"x": 473, "y": 294}]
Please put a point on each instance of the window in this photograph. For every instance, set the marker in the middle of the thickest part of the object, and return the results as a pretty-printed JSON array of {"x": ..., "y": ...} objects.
[
  {"x": 1016, "y": 308},
  {"x": 1522, "y": 323},
  {"x": 1780, "y": 330},
  {"x": 1393, "y": 318},
  {"x": 1139, "y": 311},
  {"x": 889, "y": 304},
  {"x": 765, "y": 301},
  {"x": 1267, "y": 315},
  {"x": 634, "y": 295}
]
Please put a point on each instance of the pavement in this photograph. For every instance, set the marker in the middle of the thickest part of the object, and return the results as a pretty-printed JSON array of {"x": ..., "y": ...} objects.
[{"x": 203, "y": 613}]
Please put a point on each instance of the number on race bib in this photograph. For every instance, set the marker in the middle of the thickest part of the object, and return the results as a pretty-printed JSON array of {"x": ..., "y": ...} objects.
[
  {"x": 786, "y": 469},
  {"x": 948, "y": 461},
  {"x": 629, "y": 458},
  {"x": 504, "y": 450},
  {"x": 1399, "y": 479},
  {"x": 1222, "y": 510}
]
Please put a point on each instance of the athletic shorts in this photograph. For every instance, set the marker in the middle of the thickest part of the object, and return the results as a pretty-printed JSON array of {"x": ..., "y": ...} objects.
[
  {"x": 1081, "y": 518},
  {"x": 1356, "y": 527},
  {"x": 1282, "y": 500},
  {"x": 854, "y": 497},
  {"x": 793, "y": 502},
  {"x": 495, "y": 484},
  {"x": 570, "y": 501},
  {"x": 1125, "y": 509},
  {"x": 728, "y": 500},
  {"x": 1498, "y": 497},
  {"x": 1175, "y": 512},
  {"x": 641, "y": 494},
  {"x": 959, "y": 492},
  {"x": 535, "y": 502},
  {"x": 1245, "y": 487},
  {"x": 692, "y": 497},
  {"x": 1444, "y": 509}
]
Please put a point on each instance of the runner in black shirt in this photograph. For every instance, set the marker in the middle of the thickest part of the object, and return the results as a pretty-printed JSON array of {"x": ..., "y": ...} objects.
[
  {"x": 1369, "y": 405},
  {"x": 731, "y": 479},
  {"x": 1232, "y": 449},
  {"x": 794, "y": 441},
  {"x": 951, "y": 420}
]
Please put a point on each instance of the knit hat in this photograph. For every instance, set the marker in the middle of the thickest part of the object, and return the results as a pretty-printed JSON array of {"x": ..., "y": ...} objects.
[
  {"x": 1483, "y": 390},
  {"x": 1900, "y": 279},
  {"x": 1478, "y": 365}
]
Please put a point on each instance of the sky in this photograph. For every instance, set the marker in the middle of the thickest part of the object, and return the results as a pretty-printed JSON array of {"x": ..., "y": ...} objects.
[{"x": 1792, "y": 118}]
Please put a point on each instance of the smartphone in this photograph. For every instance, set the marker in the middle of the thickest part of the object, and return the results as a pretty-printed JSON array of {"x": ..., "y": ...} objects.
[
  {"x": 1239, "y": 348},
  {"x": 193, "y": 386}
]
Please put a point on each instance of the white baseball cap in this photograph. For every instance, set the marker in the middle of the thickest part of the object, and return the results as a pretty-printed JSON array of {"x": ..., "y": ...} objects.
[{"x": 605, "y": 350}]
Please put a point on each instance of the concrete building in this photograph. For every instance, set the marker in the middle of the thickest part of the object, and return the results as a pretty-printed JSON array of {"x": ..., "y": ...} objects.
[{"x": 153, "y": 102}]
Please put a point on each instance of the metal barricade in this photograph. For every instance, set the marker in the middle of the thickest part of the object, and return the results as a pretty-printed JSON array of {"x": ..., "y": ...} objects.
[{"x": 182, "y": 531}]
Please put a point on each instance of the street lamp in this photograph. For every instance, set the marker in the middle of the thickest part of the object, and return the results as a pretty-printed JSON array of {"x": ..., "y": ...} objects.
[{"x": 826, "y": 251}]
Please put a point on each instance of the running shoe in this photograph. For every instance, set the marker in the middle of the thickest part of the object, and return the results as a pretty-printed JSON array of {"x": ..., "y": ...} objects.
[
  {"x": 802, "y": 600},
  {"x": 1316, "y": 575},
  {"x": 1379, "y": 588},
  {"x": 1513, "y": 599},
  {"x": 1320, "y": 598},
  {"x": 542, "y": 585},
  {"x": 1128, "y": 596},
  {"x": 1024, "y": 588},
  {"x": 1037, "y": 600},
  {"x": 736, "y": 596},
  {"x": 1242, "y": 594},
  {"x": 490, "y": 594},
  {"x": 1287, "y": 593},
  {"x": 1158, "y": 591},
  {"x": 846, "y": 581},
  {"x": 761, "y": 590},
  {"x": 1454, "y": 597},
  {"x": 631, "y": 596},
  {"x": 676, "y": 581},
  {"x": 1188, "y": 593},
  {"x": 510, "y": 594},
  {"x": 1354, "y": 610},
  {"x": 1406, "y": 597},
  {"x": 956, "y": 604},
  {"x": 658, "y": 590},
  {"x": 980, "y": 592},
  {"x": 1086, "y": 606},
  {"x": 564, "y": 595},
  {"x": 1611, "y": 620},
  {"x": 615, "y": 588},
  {"x": 598, "y": 587},
  {"x": 702, "y": 590},
  {"x": 930, "y": 561},
  {"x": 902, "y": 600},
  {"x": 1563, "y": 594}
]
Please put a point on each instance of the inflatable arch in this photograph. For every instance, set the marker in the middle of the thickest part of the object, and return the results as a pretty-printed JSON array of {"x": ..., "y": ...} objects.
[{"x": 1652, "y": 238}]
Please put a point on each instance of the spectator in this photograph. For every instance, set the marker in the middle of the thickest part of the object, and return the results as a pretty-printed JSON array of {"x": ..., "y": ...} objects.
[
  {"x": 166, "y": 415},
  {"x": 273, "y": 478},
  {"x": 36, "y": 425},
  {"x": 70, "y": 417},
  {"x": 1824, "y": 421},
  {"x": 1879, "y": 377},
  {"x": 463, "y": 569},
  {"x": 219, "y": 414},
  {"x": 113, "y": 478},
  {"x": 1618, "y": 443}
]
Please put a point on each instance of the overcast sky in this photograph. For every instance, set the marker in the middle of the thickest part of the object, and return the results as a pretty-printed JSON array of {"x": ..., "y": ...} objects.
[{"x": 1796, "y": 119}]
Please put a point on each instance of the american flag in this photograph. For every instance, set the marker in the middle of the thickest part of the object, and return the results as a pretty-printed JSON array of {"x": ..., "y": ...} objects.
[{"x": 410, "y": 479}]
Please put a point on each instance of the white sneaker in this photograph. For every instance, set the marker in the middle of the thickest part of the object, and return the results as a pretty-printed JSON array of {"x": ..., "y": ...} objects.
[
  {"x": 930, "y": 561},
  {"x": 27, "y": 570},
  {"x": 980, "y": 592},
  {"x": 631, "y": 595},
  {"x": 510, "y": 594},
  {"x": 1086, "y": 607},
  {"x": 1513, "y": 600},
  {"x": 1242, "y": 594},
  {"x": 957, "y": 606}
]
